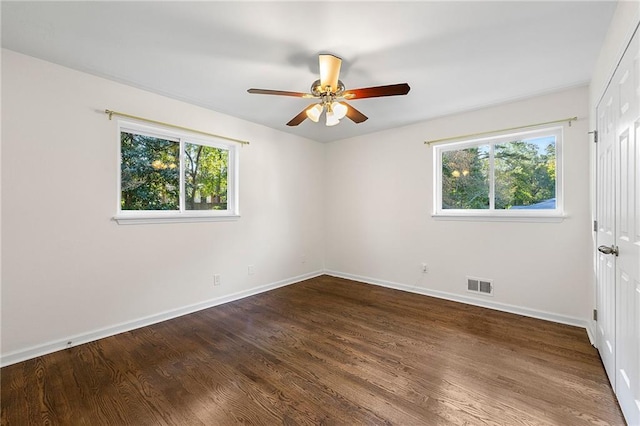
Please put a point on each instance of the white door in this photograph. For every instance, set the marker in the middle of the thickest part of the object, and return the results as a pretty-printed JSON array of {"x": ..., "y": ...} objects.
[
  {"x": 606, "y": 323},
  {"x": 627, "y": 81},
  {"x": 619, "y": 235}
]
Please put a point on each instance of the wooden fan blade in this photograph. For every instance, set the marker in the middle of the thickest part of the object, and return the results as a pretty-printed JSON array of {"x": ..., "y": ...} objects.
[
  {"x": 329, "y": 71},
  {"x": 300, "y": 117},
  {"x": 279, "y": 93},
  {"x": 354, "y": 115},
  {"x": 378, "y": 91}
]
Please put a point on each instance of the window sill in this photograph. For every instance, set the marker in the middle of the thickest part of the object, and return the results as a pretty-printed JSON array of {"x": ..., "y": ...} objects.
[
  {"x": 501, "y": 218},
  {"x": 173, "y": 218}
]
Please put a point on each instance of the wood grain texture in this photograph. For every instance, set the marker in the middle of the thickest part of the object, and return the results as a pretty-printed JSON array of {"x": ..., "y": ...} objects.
[{"x": 323, "y": 351}]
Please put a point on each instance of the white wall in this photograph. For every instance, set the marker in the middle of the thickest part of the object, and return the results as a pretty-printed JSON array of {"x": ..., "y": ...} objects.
[
  {"x": 379, "y": 225},
  {"x": 69, "y": 271},
  {"x": 623, "y": 23}
]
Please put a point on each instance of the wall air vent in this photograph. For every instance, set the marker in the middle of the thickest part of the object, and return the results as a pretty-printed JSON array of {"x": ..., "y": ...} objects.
[
  {"x": 473, "y": 285},
  {"x": 480, "y": 286}
]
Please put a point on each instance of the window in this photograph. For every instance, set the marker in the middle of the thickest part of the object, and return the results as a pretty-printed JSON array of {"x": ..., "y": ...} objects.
[
  {"x": 514, "y": 175},
  {"x": 168, "y": 176}
]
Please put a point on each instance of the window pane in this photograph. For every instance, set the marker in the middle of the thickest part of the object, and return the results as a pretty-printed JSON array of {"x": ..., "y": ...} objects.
[
  {"x": 150, "y": 173},
  {"x": 525, "y": 174},
  {"x": 465, "y": 178},
  {"x": 205, "y": 177}
]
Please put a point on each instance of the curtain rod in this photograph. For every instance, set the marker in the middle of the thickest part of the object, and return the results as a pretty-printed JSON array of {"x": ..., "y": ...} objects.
[
  {"x": 122, "y": 114},
  {"x": 569, "y": 120}
]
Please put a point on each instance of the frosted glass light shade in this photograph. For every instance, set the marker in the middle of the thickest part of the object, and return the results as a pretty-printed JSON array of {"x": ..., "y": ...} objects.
[
  {"x": 332, "y": 119},
  {"x": 314, "y": 112},
  {"x": 339, "y": 110}
]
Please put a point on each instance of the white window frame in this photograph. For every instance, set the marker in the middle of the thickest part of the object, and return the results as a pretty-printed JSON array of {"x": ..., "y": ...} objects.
[
  {"x": 128, "y": 217},
  {"x": 492, "y": 214}
]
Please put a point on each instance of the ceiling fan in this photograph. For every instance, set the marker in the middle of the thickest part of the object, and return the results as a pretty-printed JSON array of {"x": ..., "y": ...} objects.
[{"x": 331, "y": 95}]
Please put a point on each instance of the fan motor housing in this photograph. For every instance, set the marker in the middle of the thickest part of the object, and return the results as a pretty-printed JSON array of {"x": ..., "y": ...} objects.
[{"x": 316, "y": 89}]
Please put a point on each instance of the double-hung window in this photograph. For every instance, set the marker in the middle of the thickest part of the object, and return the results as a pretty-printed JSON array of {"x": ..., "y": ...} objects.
[
  {"x": 173, "y": 176},
  {"x": 509, "y": 176}
]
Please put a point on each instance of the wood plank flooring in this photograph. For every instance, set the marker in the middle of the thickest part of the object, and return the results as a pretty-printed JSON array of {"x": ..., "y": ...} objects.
[{"x": 323, "y": 351}]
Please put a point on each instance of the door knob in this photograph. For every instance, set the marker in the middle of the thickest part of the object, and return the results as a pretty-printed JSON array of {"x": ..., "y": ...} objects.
[{"x": 609, "y": 250}]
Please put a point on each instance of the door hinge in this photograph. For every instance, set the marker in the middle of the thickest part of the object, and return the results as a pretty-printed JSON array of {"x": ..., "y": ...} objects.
[
  {"x": 595, "y": 136},
  {"x": 595, "y": 315},
  {"x": 595, "y": 226}
]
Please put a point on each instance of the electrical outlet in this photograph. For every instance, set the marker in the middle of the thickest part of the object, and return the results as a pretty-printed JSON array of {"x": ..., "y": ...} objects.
[
  {"x": 425, "y": 268},
  {"x": 216, "y": 279},
  {"x": 251, "y": 269}
]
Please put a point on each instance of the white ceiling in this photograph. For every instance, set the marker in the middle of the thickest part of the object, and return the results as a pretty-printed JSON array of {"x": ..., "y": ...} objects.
[{"x": 456, "y": 56}]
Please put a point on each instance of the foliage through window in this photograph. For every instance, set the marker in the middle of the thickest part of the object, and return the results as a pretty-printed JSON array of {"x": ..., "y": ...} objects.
[
  {"x": 150, "y": 173},
  {"x": 163, "y": 172},
  {"x": 507, "y": 175},
  {"x": 206, "y": 177}
]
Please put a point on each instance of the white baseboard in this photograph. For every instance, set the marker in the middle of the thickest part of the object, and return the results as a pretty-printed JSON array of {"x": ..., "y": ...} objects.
[
  {"x": 591, "y": 332},
  {"x": 527, "y": 312},
  {"x": 47, "y": 348}
]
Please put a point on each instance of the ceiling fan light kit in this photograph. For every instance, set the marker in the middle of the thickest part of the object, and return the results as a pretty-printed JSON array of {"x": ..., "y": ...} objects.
[
  {"x": 314, "y": 112},
  {"x": 335, "y": 112},
  {"x": 331, "y": 93},
  {"x": 339, "y": 110},
  {"x": 332, "y": 119}
]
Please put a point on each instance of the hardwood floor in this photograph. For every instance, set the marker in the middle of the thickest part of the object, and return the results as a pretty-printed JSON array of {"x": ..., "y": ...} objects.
[{"x": 324, "y": 351}]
